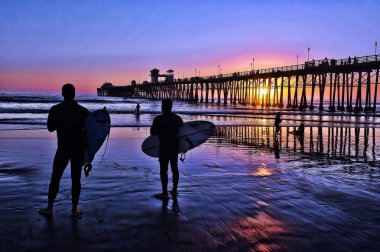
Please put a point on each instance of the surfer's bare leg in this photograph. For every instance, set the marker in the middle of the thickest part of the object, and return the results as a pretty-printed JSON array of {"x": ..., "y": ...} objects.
[
  {"x": 174, "y": 167},
  {"x": 164, "y": 164}
]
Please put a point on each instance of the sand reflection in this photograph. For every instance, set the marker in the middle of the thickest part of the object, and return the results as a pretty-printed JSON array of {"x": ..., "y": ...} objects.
[
  {"x": 258, "y": 233},
  {"x": 262, "y": 171}
]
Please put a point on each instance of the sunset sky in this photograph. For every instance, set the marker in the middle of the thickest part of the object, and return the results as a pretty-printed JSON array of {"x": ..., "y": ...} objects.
[{"x": 45, "y": 43}]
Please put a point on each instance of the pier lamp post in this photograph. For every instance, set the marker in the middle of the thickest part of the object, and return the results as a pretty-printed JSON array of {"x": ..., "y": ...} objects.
[
  {"x": 251, "y": 67},
  {"x": 218, "y": 69},
  {"x": 308, "y": 53},
  {"x": 375, "y": 47},
  {"x": 195, "y": 72},
  {"x": 253, "y": 64},
  {"x": 297, "y": 61}
]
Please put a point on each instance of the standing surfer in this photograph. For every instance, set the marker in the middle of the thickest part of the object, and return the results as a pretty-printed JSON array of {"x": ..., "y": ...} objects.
[
  {"x": 166, "y": 126},
  {"x": 68, "y": 119},
  {"x": 137, "y": 109}
]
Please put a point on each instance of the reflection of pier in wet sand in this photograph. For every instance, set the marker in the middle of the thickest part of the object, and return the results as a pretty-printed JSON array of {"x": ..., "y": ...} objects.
[{"x": 343, "y": 143}]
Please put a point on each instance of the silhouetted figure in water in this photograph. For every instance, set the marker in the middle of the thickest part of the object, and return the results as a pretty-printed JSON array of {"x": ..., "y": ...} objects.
[
  {"x": 137, "y": 109},
  {"x": 68, "y": 119},
  {"x": 300, "y": 132},
  {"x": 166, "y": 127},
  {"x": 277, "y": 122}
]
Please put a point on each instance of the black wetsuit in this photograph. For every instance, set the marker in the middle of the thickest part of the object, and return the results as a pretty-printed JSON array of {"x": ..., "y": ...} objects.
[
  {"x": 166, "y": 126},
  {"x": 68, "y": 119}
]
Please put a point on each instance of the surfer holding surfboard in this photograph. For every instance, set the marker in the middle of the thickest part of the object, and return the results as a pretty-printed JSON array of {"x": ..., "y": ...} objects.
[
  {"x": 166, "y": 126},
  {"x": 68, "y": 119}
]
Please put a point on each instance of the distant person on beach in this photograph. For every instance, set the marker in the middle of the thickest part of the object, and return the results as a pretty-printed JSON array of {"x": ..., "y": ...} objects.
[
  {"x": 68, "y": 119},
  {"x": 300, "y": 134},
  {"x": 301, "y": 130},
  {"x": 277, "y": 121},
  {"x": 166, "y": 126},
  {"x": 137, "y": 109}
]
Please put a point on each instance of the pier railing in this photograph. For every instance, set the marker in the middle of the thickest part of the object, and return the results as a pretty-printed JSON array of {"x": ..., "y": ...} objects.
[{"x": 307, "y": 65}]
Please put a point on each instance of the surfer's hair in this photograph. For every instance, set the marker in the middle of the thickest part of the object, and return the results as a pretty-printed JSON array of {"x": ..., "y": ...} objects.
[
  {"x": 68, "y": 91},
  {"x": 167, "y": 105}
]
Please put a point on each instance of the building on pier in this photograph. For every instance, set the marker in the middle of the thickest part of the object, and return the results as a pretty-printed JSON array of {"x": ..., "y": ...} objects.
[{"x": 155, "y": 74}]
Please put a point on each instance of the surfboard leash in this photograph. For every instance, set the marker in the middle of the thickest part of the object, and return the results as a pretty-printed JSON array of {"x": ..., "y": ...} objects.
[
  {"x": 88, "y": 182},
  {"x": 88, "y": 167},
  {"x": 183, "y": 156},
  {"x": 104, "y": 152},
  {"x": 108, "y": 136}
]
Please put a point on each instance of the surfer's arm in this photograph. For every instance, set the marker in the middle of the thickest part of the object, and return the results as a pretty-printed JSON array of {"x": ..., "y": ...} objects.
[
  {"x": 153, "y": 129},
  {"x": 52, "y": 120}
]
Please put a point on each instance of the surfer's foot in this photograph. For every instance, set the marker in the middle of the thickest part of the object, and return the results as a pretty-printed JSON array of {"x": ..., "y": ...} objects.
[
  {"x": 46, "y": 211},
  {"x": 161, "y": 196},
  {"x": 76, "y": 212}
]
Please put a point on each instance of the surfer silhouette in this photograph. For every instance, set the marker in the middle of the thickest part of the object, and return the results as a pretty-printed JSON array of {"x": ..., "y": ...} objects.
[
  {"x": 301, "y": 129},
  {"x": 300, "y": 132},
  {"x": 166, "y": 127},
  {"x": 137, "y": 109},
  {"x": 277, "y": 121},
  {"x": 68, "y": 119}
]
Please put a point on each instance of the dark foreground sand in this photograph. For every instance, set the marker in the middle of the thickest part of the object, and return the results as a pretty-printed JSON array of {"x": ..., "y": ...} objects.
[{"x": 231, "y": 199}]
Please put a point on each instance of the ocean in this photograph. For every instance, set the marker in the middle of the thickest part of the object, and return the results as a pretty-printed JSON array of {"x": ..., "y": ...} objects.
[
  {"x": 29, "y": 111},
  {"x": 245, "y": 189}
]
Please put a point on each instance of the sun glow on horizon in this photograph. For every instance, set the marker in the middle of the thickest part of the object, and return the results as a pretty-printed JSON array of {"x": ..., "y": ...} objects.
[{"x": 263, "y": 91}]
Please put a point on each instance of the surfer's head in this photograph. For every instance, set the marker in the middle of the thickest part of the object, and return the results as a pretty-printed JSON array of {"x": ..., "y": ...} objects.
[
  {"x": 68, "y": 91},
  {"x": 166, "y": 106}
]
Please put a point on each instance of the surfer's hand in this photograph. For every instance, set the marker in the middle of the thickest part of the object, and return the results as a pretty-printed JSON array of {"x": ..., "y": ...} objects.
[{"x": 87, "y": 168}]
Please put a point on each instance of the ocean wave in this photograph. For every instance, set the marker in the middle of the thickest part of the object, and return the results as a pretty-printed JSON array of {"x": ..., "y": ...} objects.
[
  {"x": 131, "y": 122},
  {"x": 257, "y": 114},
  {"x": 44, "y": 100}
]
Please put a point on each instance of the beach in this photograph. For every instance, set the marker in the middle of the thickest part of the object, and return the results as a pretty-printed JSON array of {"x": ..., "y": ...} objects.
[
  {"x": 233, "y": 195},
  {"x": 277, "y": 117}
]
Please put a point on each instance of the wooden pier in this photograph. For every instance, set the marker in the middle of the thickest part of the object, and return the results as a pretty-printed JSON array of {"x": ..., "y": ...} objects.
[{"x": 349, "y": 84}]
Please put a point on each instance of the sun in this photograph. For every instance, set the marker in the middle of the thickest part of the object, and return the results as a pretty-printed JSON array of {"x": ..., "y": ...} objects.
[{"x": 263, "y": 91}]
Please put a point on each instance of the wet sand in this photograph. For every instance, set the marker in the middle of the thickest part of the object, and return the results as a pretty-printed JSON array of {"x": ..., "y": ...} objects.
[{"x": 232, "y": 198}]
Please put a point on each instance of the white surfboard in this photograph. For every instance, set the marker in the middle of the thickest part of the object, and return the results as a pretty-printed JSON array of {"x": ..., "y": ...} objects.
[
  {"x": 97, "y": 128},
  {"x": 191, "y": 134}
]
